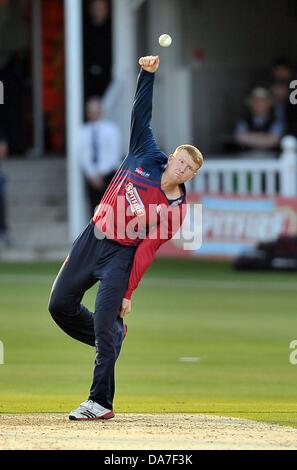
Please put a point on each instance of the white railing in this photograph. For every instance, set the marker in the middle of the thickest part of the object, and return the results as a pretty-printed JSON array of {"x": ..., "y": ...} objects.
[{"x": 252, "y": 176}]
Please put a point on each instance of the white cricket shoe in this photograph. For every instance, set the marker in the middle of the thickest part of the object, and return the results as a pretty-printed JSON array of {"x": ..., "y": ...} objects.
[{"x": 90, "y": 410}]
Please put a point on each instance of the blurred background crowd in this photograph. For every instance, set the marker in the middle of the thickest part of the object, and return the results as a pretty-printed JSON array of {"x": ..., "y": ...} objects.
[
  {"x": 264, "y": 109},
  {"x": 239, "y": 63}
]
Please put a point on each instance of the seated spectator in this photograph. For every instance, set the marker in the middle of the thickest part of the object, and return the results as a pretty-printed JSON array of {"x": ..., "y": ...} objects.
[
  {"x": 292, "y": 119},
  {"x": 280, "y": 94},
  {"x": 4, "y": 236},
  {"x": 282, "y": 70},
  {"x": 260, "y": 129}
]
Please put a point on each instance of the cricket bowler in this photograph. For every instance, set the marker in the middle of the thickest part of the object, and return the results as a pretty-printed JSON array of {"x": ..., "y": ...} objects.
[{"x": 143, "y": 207}]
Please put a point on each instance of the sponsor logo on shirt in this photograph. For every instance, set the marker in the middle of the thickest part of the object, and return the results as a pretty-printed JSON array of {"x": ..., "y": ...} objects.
[
  {"x": 134, "y": 199},
  {"x": 142, "y": 172}
]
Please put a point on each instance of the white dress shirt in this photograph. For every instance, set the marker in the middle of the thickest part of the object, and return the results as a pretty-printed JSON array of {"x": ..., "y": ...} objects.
[{"x": 108, "y": 143}]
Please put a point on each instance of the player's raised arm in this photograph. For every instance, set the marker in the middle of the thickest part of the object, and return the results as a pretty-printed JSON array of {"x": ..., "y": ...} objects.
[
  {"x": 150, "y": 63},
  {"x": 142, "y": 139}
]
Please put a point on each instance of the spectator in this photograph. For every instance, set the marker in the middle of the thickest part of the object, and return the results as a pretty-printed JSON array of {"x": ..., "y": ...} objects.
[
  {"x": 285, "y": 111},
  {"x": 4, "y": 236},
  {"x": 292, "y": 119},
  {"x": 14, "y": 37},
  {"x": 97, "y": 48},
  {"x": 282, "y": 70},
  {"x": 260, "y": 129},
  {"x": 283, "y": 74},
  {"x": 280, "y": 94},
  {"x": 99, "y": 151}
]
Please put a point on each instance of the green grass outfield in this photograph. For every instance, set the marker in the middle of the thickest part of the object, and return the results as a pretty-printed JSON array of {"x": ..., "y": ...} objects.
[{"x": 238, "y": 325}]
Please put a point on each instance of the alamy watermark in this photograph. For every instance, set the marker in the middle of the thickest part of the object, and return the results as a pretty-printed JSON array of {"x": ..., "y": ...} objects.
[
  {"x": 1, "y": 353},
  {"x": 293, "y": 355},
  {"x": 1, "y": 93},
  {"x": 293, "y": 95},
  {"x": 154, "y": 222}
]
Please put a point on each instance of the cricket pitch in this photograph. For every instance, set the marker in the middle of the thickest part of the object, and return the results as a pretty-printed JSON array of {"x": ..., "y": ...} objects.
[{"x": 141, "y": 431}]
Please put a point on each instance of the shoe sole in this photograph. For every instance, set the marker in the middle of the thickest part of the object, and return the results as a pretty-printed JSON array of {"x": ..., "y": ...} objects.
[{"x": 106, "y": 416}]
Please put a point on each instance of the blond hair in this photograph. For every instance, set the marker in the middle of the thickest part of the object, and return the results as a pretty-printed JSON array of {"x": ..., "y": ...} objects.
[{"x": 194, "y": 153}]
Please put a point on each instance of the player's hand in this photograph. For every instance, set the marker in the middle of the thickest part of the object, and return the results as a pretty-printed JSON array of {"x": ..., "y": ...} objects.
[
  {"x": 150, "y": 63},
  {"x": 126, "y": 308}
]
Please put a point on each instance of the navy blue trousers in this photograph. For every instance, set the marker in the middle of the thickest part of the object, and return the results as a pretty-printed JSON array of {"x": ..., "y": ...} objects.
[{"x": 90, "y": 260}]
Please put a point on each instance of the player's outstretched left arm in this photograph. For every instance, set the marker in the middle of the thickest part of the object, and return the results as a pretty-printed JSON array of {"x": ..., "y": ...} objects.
[{"x": 147, "y": 249}]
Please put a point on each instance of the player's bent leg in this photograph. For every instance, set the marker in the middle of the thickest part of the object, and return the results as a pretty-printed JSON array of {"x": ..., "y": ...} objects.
[
  {"x": 74, "y": 278},
  {"x": 72, "y": 317}
]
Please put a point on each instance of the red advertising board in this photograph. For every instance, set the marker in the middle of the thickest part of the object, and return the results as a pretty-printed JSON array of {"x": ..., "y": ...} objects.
[{"x": 231, "y": 224}]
